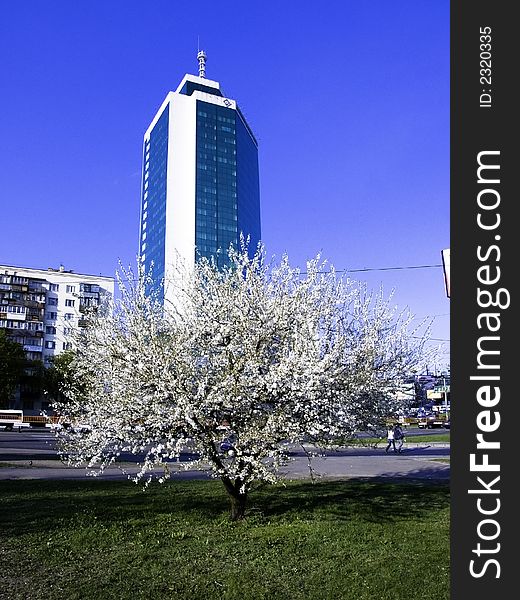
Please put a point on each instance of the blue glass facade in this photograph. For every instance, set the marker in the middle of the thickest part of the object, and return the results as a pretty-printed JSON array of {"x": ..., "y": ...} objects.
[
  {"x": 227, "y": 191},
  {"x": 248, "y": 187},
  {"x": 214, "y": 156},
  {"x": 153, "y": 207}
]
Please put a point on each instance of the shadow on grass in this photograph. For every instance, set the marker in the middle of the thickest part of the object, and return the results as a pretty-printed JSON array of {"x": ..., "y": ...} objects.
[
  {"x": 40, "y": 506},
  {"x": 381, "y": 500}
]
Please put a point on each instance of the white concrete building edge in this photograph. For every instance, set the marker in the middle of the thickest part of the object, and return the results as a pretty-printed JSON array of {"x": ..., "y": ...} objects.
[{"x": 181, "y": 175}]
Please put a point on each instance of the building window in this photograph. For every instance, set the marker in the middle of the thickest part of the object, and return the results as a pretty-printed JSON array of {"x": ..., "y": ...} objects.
[
  {"x": 16, "y": 309},
  {"x": 53, "y": 287},
  {"x": 67, "y": 330},
  {"x": 89, "y": 287},
  {"x": 67, "y": 345},
  {"x": 68, "y": 316},
  {"x": 52, "y": 301},
  {"x": 70, "y": 289},
  {"x": 89, "y": 302},
  {"x": 50, "y": 345},
  {"x": 52, "y": 316},
  {"x": 69, "y": 302},
  {"x": 50, "y": 330}
]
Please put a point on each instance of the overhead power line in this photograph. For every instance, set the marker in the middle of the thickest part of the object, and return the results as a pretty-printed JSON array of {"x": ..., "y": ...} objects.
[
  {"x": 385, "y": 268},
  {"x": 364, "y": 270}
]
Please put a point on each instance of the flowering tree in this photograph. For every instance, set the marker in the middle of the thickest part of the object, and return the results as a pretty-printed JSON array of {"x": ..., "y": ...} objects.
[{"x": 257, "y": 353}]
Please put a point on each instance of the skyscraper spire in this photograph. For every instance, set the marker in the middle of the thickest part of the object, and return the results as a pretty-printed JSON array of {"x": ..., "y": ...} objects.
[{"x": 201, "y": 56}]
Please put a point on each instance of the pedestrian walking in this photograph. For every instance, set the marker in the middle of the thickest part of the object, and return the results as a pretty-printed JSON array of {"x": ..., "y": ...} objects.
[
  {"x": 398, "y": 438},
  {"x": 390, "y": 438}
]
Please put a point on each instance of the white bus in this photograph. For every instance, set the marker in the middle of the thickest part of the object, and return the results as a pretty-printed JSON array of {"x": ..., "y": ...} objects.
[{"x": 11, "y": 419}]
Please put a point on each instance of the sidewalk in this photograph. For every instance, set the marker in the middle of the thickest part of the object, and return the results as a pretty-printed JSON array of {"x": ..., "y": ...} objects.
[{"x": 417, "y": 461}]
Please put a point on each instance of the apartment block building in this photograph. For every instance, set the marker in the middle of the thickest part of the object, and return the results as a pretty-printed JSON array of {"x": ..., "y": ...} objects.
[{"x": 40, "y": 309}]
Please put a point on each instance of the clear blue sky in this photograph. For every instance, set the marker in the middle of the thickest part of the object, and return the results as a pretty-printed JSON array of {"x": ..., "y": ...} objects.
[{"x": 349, "y": 102}]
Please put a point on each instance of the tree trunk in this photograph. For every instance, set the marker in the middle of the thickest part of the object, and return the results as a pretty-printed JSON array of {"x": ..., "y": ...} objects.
[{"x": 238, "y": 499}]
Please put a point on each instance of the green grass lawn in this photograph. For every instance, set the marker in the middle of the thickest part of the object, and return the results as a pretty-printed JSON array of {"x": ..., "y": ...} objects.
[
  {"x": 427, "y": 438},
  {"x": 336, "y": 540},
  {"x": 433, "y": 437}
]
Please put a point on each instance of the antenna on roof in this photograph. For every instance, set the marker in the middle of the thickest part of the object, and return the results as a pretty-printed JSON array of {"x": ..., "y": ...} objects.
[{"x": 201, "y": 56}]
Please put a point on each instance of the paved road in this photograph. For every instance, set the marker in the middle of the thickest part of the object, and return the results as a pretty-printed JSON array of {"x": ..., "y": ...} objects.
[{"x": 32, "y": 455}]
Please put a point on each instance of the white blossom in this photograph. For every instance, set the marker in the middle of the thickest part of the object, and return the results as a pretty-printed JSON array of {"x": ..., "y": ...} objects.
[{"x": 256, "y": 353}]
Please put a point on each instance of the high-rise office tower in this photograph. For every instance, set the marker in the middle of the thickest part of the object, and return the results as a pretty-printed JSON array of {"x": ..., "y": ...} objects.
[{"x": 200, "y": 185}]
